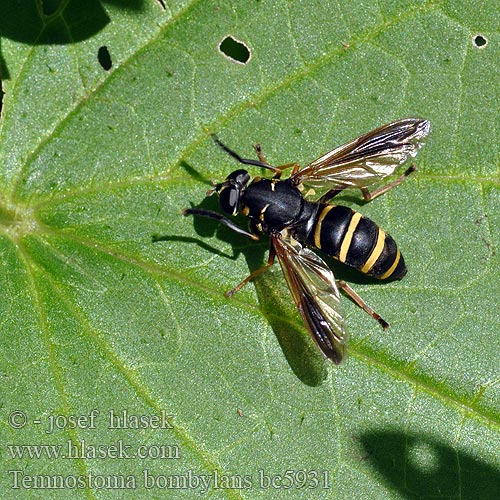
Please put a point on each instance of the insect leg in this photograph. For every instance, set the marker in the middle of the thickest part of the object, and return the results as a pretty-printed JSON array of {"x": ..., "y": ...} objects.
[
  {"x": 260, "y": 154},
  {"x": 295, "y": 168},
  {"x": 238, "y": 158},
  {"x": 219, "y": 217},
  {"x": 381, "y": 190},
  {"x": 331, "y": 194},
  {"x": 361, "y": 303},
  {"x": 257, "y": 272},
  {"x": 279, "y": 170}
]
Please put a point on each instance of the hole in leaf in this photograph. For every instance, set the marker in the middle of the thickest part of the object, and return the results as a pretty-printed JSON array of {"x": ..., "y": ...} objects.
[
  {"x": 104, "y": 58},
  {"x": 479, "y": 41},
  {"x": 234, "y": 50},
  {"x": 163, "y": 5}
]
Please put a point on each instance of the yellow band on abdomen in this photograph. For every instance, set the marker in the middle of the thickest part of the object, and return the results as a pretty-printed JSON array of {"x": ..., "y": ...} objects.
[
  {"x": 392, "y": 268},
  {"x": 317, "y": 231},
  {"x": 346, "y": 242},
  {"x": 377, "y": 250}
]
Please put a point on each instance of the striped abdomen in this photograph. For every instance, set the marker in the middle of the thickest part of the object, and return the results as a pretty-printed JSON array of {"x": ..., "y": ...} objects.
[{"x": 357, "y": 241}]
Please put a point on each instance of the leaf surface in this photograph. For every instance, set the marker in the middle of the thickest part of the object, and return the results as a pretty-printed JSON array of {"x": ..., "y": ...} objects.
[{"x": 112, "y": 301}]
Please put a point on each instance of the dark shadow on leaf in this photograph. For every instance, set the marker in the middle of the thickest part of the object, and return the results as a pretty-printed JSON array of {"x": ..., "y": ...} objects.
[
  {"x": 275, "y": 300},
  {"x": 302, "y": 354},
  {"x": 4, "y": 72},
  {"x": 422, "y": 467},
  {"x": 56, "y": 22},
  {"x": 194, "y": 173},
  {"x": 207, "y": 228},
  {"x": 186, "y": 239}
]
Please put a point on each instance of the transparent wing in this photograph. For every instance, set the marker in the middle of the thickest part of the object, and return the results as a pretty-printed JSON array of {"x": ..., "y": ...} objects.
[
  {"x": 368, "y": 158},
  {"x": 315, "y": 293}
]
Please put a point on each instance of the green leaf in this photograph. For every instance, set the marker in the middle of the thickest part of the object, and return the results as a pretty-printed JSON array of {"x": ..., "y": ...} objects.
[{"x": 112, "y": 301}]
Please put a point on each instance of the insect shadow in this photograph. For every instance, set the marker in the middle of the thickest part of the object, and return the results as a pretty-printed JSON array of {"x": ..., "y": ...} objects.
[
  {"x": 308, "y": 275},
  {"x": 274, "y": 299},
  {"x": 275, "y": 302},
  {"x": 46, "y": 23},
  {"x": 420, "y": 466}
]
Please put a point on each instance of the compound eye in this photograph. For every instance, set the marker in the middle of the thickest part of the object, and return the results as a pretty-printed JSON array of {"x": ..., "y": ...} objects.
[
  {"x": 239, "y": 176},
  {"x": 229, "y": 198}
]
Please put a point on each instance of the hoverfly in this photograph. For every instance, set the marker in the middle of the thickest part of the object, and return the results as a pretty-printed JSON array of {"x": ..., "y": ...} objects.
[{"x": 277, "y": 207}]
